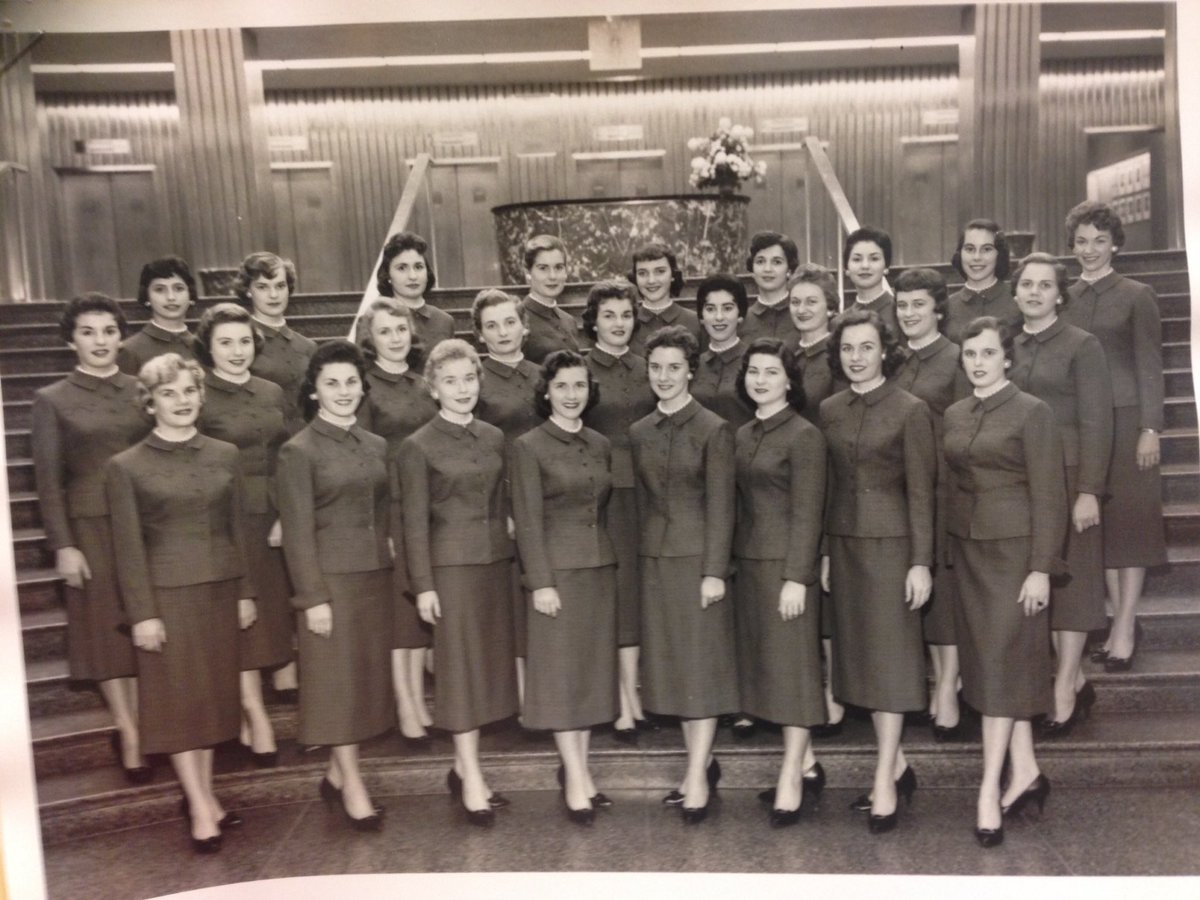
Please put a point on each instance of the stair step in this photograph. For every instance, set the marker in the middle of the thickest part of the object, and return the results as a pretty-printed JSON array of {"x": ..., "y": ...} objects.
[
  {"x": 1180, "y": 445},
  {"x": 44, "y": 634},
  {"x": 1181, "y": 483},
  {"x": 1182, "y": 522},
  {"x": 1177, "y": 328},
  {"x": 1179, "y": 383},
  {"x": 1177, "y": 354},
  {"x": 1180, "y": 412}
]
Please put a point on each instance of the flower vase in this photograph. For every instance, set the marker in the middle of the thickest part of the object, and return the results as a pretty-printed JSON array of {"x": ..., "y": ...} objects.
[{"x": 726, "y": 189}]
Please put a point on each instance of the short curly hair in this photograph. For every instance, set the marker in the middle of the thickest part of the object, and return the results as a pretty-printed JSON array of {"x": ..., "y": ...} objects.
[
  {"x": 551, "y": 366},
  {"x": 722, "y": 281},
  {"x": 893, "y": 355},
  {"x": 448, "y": 351},
  {"x": 770, "y": 346},
  {"x": 1061, "y": 277},
  {"x": 610, "y": 289},
  {"x": 393, "y": 307},
  {"x": 91, "y": 302},
  {"x": 930, "y": 281},
  {"x": 811, "y": 273},
  {"x": 868, "y": 234},
  {"x": 486, "y": 299},
  {"x": 1007, "y": 333},
  {"x": 658, "y": 250},
  {"x": 999, "y": 241},
  {"x": 540, "y": 243},
  {"x": 397, "y": 244},
  {"x": 163, "y": 369},
  {"x": 222, "y": 314},
  {"x": 262, "y": 265},
  {"x": 1100, "y": 216},
  {"x": 165, "y": 267},
  {"x": 761, "y": 240},
  {"x": 336, "y": 351},
  {"x": 679, "y": 338}
]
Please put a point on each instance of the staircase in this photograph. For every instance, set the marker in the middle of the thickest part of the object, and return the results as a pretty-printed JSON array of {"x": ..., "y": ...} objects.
[{"x": 1145, "y": 729}]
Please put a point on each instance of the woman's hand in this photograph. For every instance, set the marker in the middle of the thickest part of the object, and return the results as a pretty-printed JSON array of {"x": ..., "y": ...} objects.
[
  {"x": 247, "y": 612},
  {"x": 319, "y": 619},
  {"x": 72, "y": 565},
  {"x": 1147, "y": 450},
  {"x": 391, "y": 549},
  {"x": 918, "y": 585},
  {"x": 1086, "y": 512},
  {"x": 825, "y": 574},
  {"x": 712, "y": 589},
  {"x": 547, "y": 602},
  {"x": 429, "y": 608},
  {"x": 275, "y": 535},
  {"x": 791, "y": 600},
  {"x": 511, "y": 527},
  {"x": 1035, "y": 593},
  {"x": 149, "y": 634}
]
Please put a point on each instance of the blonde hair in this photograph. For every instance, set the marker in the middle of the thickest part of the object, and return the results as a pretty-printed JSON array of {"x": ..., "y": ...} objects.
[{"x": 163, "y": 370}]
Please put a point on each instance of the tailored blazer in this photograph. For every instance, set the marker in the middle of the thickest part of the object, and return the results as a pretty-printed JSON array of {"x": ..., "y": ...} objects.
[
  {"x": 816, "y": 376},
  {"x": 561, "y": 484},
  {"x": 1123, "y": 314},
  {"x": 714, "y": 385},
  {"x": 550, "y": 328},
  {"x": 1064, "y": 367},
  {"x": 683, "y": 468},
  {"x": 506, "y": 397},
  {"x": 674, "y": 314},
  {"x": 965, "y": 306},
  {"x": 769, "y": 321},
  {"x": 885, "y": 305},
  {"x": 250, "y": 416},
  {"x": 78, "y": 424},
  {"x": 335, "y": 507},
  {"x": 177, "y": 518},
  {"x": 882, "y": 464},
  {"x": 781, "y": 493},
  {"x": 431, "y": 325},
  {"x": 150, "y": 342},
  {"x": 1006, "y": 474},
  {"x": 933, "y": 373},
  {"x": 455, "y": 504},
  {"x": 625, "y": 397},
  {"x": 284, "y": 360},
  {"x": 396, "y": 406}
]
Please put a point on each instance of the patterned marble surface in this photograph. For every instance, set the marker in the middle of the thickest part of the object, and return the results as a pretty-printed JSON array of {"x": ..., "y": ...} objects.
[{"x": 706, "y": 231}]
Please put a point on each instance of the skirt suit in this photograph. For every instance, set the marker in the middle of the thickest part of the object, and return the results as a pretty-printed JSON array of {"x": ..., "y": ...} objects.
[
  {"x": 79, "y": 423},
  {"x": 283, "y": 360},
  {"x": 506, "y": 401},
  {"x": 769, "y": 321},
  {"x": 550, "y": 328},
  {"x": 964, "y": 306},
  {"x": 1064, "y": 367},
  {"x": 455, "y": 506},
  {"x": 934, "y": 375},
  {"x": 561, "y": 484},
  {"x": 250, "y": 416},
  {"x": 715, "y": 384},
  {"x": 683, "y": 467},
  {"x": 337, "y": 513},
  {"x": 431, "y": 325},
  {"x": 177, "y": 517},
  {"x": 150, "y": 342},
  {"x": 396, "y": 406},
  {"x": 879, "y": 521},
  {"x": 885, "y": 306},
  {"x": 1123, "y": 314},
  {"x": 650, "y": 321},
  {"x": 625, "y": 397},
  {"x": 1007, "y": 515},
  {"x": 780, "y": 500}
]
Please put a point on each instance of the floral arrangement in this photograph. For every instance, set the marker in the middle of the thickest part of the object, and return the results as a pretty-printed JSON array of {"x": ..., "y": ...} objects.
[{"x": 724, "y": 161}]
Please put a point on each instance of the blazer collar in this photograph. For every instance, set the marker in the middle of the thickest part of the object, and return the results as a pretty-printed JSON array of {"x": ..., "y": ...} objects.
[
  {"x": 329, "y": 430},
  {"x": 669, "y": 314},
  {"x": 679, "y": 417},
  {"x": 933, "y": 348},
  {"x": 458, "y": 432},
  {"x": 1108, "y": 282},
  {"x": 565, "y": 436},
  {"x": 93, "y": 383},
  {"x": 540, "y": 309},
  {"x": 1024, "y": 337},
  {"x": 502, "y": 370},
  {"x": 215, "y": 382},
  {"x": 385, "y": 375},
  {"x": 167, "y": 337},
  {"x": 772, "y": 422},
  {"x": 606, "y": 359},
  {"x": 872, "y": 397},
  {"x": 271, "y": 331},
  {"x": 192, "y": 443},
  {"x": 730, "y": 354},
  {"x": 999, "y": 398}
]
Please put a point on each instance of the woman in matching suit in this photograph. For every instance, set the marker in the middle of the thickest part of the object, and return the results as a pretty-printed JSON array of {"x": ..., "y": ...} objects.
[
  {"x": 659, "y": 280},
  {"x": 624, "y": 396},
  {"x": 879, "y": 520},
  {"x": 457, "y": 537},
  {"x": 771, "y": 260},
  {"x": 1065, "y": 367},
  {"x": 683, "y": 463},
  {"x": 167, "y": 288},
  {"x": 248, "y": 412},
  {"x": 1123, "y": 314},
  {"x": 549, "y": 326},
  {"x": 982, "y": 257},
  {"x": 780, "y": 463},
  {"x": 78, "y": 424},
  {"x": 337, "y": 512},
  {"x": 722, "y": 303},
  {"x": 177, "y": 501},
  {"x": 397, "y": 405},
  {"x": 406, "y": 273},
  {"x": 1006, "y": 516},
  {"x": 867, "y": 256},
  {"x": 561, "y": 482}
]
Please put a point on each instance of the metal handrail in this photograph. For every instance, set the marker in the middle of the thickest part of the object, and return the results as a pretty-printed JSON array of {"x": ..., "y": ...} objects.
[
  {"x": 847, "y": 220},
  {"x": 404, "y": 210}
]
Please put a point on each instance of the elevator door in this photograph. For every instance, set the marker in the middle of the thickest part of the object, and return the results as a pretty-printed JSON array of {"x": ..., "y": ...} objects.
[
  {"x": 927, "y": 203},
  {"x": 310, "y": 227}
]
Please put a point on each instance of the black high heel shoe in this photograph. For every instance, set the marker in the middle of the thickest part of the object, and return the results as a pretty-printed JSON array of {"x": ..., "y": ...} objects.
[
  {"x": 694, "y": 815},
  {"x": 1121, "y": 663},
  {"x": 828, "y": 729},
  {"x": 813, "y": 783},
  {"x": 585, "y": 816},
  {"x": 598, "y": 800},
  {"x": 207, "y": 845},
  {"x": 454, "y": 783},
  {"x": 136, "y": 775},
  {"x": 943, "y": 734},
  {"x": 744, "y": 728},
  {"x": 626, "y": 735},
  {"x": 989, "y": 837},
  {"x": 883, "y": 824},
  {"x": 906, "y": 784},
  {"x": 1085, "y": 699},
  {"x": 1037, "y": 792},
  {"x": 713, "y": 774},
  {"x": 783, "y": 818},
  {"x": 229, "y": 820},
  {"x": 373, "y": 822},
  {"x": 268, "y": 760}
]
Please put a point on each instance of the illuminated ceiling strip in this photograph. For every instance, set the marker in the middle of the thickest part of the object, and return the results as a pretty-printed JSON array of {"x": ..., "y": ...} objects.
[
  {"x": 101, "y": 68},
  {"x": 1073, "y": 37}
]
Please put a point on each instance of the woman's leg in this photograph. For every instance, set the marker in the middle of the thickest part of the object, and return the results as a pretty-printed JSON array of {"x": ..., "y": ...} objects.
[
  {"x": 254, "y": 713},
  {"x": 1024, "y": 764},
  {"x": 520, "y": 661},
  {"x": 1128, "y": 583},
  {"x": 833, "y": 710},
  {"x": 344, "y": 773},
  {"x": 698, "y": 735},
  {"x": 631, "y": 704},
  {"x": 406, "y": 711},
  {"x": 284, "y": 678},
  {"x": 1068, "y": 679},
  {"x": 584, "y": 739},
  {"x": 571, "y": 751},
  {"x": 890, "y": 763},
  {"x": 997, "y": 733},
  {"x": 944, "y": 703},
  {"x": 121, "y": 696},
  {"x": 190, "y": 768},
  {"x": 788, "y": 790},
  {"x": 416, "y": 685},
  {"x": 466, "y": 764}
]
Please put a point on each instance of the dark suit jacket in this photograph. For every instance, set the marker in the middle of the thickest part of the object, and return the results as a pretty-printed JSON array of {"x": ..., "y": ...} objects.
[
  {"x": 396, "y": 406},
  {"x": 625, "y": 397},
  {"x": 885, "y": 305},
  {"x": 768, "y": 321},
  {"x": 1006, "y": 474},
  {"x": 715, "y": 384},
  {"x": 506, "y": 397},
  {"x": 432, "y": 325},
  {"x": 683, "y": 469},
  {"x": 249, "y": 416},
  {"x": 561, "y": 485},
  {"x": 781, "y": 493},
  {"x": 934, "y": 374},
  {"x": 818, "y": 379},
  {"x": 283, "y": 360},
  {"x": 550, "y": 329},
  {"x": 150, "y": 342},
  {"x": 965, "y": 306},
  {"x": 649, "y": 322}
]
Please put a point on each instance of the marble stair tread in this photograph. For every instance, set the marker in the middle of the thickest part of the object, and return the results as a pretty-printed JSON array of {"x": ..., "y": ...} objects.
[
  {"x": 43, "y": 618},
  {"x": 41, "y": 671},
  {"x": 1152, "y": 664},
  {"x": 71, "y": 724}
]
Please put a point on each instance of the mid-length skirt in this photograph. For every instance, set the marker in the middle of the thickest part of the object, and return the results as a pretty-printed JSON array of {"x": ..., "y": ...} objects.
[
  {"x": 98, "y": 643},
  {"x": 346, "y": 678},
  {"x": 571, "y": 666},
  {"x": 1003, "y": 654},
  {"x": 778, "y": 662},
  {"x": 476, "y": 680},
  {"x": 1132, "y": 514},
  {"x": 878, "y": 654},
  {"x": 689, "y": 656},
  {"x": 410, "y": 631},
  {"x": 188, "y": 693},
  {"x": 268, "y": 642},
  {"x": 519, "y": 604},
  {"x": 937, "y": 616},
  {"x": 1077, "y": 599},
  {"x": 623, "y": 531}
]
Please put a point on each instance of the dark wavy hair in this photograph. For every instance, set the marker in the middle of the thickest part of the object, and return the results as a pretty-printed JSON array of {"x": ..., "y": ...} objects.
[
  {"x": 681, "y": 339},
  {"x": 551, "y": 366},
  {"x": 1060, "y": 275},
  {"x": 222, "y": 314},
  {"x": 392, "y": 306},
  {"x": 872, "y": 235},
  {"x": 1100, "y": 216},
  {"x": 658, "y": 250},
  {"x": 811, "y": 273},
  {"x": 262, "y": 265},
  {"x": 397, "y": 244},
  {"x": 165, "y": 267},
  {"x": 893, "y": 355},
  {"x": 931, "y": 281},
  {"x": 773, "y": 347},
  {"x": 722, "y": 281},
  {"x": 761, "y": 240},
  {"x": 335, "y": 351},
  {"x": 999, "y": 240},
  {"x": 611, "y": 289},
  {"x": 91, "y": 302},
  {"x": 977, "y": 326}
]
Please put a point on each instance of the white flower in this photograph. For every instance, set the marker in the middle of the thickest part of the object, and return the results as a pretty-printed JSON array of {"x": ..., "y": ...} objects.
[
  {"x": 760, "y": 168},
  {"x": 696, "y": 144},
  {"x": 737, "y": 132},
  {"x": 724, "y": 123}
]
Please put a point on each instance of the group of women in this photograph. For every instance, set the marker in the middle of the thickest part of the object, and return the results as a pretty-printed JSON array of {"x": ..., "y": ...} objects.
[{"x": 694, "y": 517}]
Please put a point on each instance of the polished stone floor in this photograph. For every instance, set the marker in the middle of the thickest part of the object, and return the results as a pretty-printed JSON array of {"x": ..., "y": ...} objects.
[{"x": 1122, "y": 831}]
